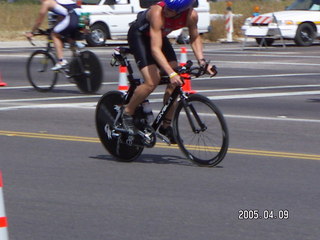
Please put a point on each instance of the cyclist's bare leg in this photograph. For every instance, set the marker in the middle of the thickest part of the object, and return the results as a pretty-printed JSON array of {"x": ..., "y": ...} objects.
[
  {"x": 58, "y": 44},
  {"x": 169, "y": 115},
  {"x": 169, "y": 90},
  {"x": 151, "y": 78}
]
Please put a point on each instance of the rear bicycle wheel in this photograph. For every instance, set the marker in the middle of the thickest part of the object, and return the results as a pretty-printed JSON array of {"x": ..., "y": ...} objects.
[
  {"x": 106, "y": 112},
  {"x": 87, "y": 72},
  {"x": 201, "y": 131},
  {"x": 39, "y": 72}
]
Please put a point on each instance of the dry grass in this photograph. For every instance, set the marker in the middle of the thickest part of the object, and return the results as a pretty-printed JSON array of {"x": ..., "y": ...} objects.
[{"x": 18, "y": 18}]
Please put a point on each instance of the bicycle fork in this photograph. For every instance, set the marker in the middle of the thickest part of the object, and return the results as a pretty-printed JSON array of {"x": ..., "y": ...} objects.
[{"x": 193, "y": 117}]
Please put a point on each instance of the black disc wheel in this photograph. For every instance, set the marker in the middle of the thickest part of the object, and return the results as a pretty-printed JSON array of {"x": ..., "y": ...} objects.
[
  {"x": 200, "y": 130},
  {"x": 106, "y": 112},
  {"x": 87, "y": 72},
  {"x": 39, "y": 72}
]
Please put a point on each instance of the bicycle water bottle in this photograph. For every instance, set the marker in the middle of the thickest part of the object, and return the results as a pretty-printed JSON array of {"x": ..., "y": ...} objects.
[{"x": 148, "y": 111}]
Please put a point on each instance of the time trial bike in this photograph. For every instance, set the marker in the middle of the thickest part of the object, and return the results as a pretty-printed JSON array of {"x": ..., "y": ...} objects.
[
  {"x": 199, "y": 127},
  {"x": 84, "y": 68}
]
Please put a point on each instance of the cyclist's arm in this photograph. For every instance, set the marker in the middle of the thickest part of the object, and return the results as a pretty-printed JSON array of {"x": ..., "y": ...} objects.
[
  {"x": 45, "y": 6},
  {"x": 195, "y": 39},
  {"x": 156, "y": 22}
]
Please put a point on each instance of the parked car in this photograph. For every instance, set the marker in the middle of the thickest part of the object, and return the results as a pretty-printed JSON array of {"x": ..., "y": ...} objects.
[
  {"x": 300, "y": 22},
  {"x": 109, "y": 19}
]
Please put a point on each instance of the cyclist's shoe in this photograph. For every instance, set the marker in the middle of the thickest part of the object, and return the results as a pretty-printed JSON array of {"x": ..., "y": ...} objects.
[
  {"x": 59, "y": 65},
  {"x": 168, "y": 132},
  {"x": 127, "y": 122}
]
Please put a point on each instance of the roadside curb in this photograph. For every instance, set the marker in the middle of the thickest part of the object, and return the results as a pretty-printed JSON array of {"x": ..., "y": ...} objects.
[{"x": 20, "y": 44}]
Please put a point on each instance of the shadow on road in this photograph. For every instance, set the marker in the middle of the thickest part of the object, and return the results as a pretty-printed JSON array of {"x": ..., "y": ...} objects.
[{"x": 156, "y": 159}]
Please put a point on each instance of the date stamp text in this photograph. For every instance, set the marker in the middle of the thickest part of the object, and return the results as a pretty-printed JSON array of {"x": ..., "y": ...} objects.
[{"x": 267, "y": 214}]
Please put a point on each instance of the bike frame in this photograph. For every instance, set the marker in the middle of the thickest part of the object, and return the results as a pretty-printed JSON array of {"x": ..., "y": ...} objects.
[
  {"x": 73, "y": 49},
  {"x": 124, "y": 62}
]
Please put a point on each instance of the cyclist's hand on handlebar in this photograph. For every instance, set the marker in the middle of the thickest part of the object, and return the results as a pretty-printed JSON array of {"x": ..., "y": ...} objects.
[
  {"x": 212, "y": 70},
  {"x": 176, "y": 80},
  {"x": 29, "y": 35},
  {"x": 207, "y": 67}
]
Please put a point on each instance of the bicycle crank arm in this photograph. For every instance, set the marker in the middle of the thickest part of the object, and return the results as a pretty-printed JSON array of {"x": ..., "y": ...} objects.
[
  {"x": 122, "y": 130},
  {"x": 163, "y": 138}
]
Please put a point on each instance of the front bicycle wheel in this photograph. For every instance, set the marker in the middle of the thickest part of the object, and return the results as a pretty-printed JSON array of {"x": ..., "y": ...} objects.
[
  {"x": 106, "y": 111},
  {"x": 87, "y": 72},
  {"x": 201, "y": 130},
  {"x": 39, "y": 72}
]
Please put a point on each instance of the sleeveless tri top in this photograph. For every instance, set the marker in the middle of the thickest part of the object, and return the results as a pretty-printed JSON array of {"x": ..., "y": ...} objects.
[
  {"x": 64, "y": 7},
  {"x": 170, "y": 24}
]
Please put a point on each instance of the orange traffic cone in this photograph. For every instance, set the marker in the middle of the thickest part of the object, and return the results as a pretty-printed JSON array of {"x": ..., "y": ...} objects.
[
  {"x": 2, "y": 84},
  {"x": 123, "y": 84},
  {"x": 187, "y": 80},
  {"x": 3, "y": 218}
]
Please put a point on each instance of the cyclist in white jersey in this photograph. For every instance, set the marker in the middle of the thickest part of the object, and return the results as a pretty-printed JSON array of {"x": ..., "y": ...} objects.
[{"x": 66, "y": 27}]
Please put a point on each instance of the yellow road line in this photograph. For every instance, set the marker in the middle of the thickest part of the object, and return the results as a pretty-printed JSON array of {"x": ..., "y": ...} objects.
[{"x": 163, "y": 145}]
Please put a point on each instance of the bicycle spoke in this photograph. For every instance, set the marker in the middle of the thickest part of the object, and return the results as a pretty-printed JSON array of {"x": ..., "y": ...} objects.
[
  {"x": 39, "y": 72},
  {"x": 201, "y": 131}
]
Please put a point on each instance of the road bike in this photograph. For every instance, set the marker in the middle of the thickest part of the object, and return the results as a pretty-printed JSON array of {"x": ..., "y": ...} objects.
[
  {"x": 199, "y": 127},
  {"x": 84, "y": 68}
]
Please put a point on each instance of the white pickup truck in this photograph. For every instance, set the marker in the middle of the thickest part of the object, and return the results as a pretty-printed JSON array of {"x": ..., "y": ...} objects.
[
  {"x": 300, "y": 22},
  {"x": 109, "y": 19}
]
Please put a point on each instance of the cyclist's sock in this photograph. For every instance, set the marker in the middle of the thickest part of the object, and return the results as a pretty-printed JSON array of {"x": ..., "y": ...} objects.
[{"x": 128, "y": 123}]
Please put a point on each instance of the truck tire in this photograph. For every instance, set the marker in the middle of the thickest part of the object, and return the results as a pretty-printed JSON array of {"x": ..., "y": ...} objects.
[
  {"x": 98, "y": 35},
  {"x": 305, "y": 35}
]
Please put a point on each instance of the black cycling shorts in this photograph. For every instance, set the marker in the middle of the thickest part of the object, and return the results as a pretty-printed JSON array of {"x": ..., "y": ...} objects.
[{"x": 140, "y": 47}]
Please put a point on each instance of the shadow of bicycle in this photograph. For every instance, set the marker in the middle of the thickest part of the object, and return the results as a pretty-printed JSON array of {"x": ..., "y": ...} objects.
[
  {"x": 155, "y": 159},
  {"x": 152, "y": 158}
]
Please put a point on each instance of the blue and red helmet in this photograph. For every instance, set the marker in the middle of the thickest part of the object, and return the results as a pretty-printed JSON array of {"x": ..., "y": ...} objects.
[{"x": 179, "y": 5}]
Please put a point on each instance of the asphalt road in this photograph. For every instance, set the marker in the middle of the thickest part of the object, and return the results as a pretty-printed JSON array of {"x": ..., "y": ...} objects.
[{"x": 60, "y": 183}]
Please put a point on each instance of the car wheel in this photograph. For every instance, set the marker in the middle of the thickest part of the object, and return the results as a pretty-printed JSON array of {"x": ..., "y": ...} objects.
[
  {"x": 305, "y": 35},
  {"x": 267, "y": 41},
  {"x": 97, "y": 36}
]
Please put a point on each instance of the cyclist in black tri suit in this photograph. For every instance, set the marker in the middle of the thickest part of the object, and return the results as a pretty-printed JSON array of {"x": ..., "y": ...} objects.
[
  {"x": 66, "y": 27},
  {"x": 147, "y": 39}
]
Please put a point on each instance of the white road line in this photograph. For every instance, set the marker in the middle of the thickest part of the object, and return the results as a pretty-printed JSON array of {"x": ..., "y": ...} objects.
[
  {"x": 237, "y": 96},
  {"x": 51, "y": 105},
  {"x": 264, "y": 95},
  {"x": 196, "y": 79},
  {"x": 48, "y": 98},
  {"x": 56, "y": 86},
  {"x": 86, "y": 105},
  {"x": 268, "y": 63},
  {"x": 279, "y": 118},
  {"x": 261, "y": 76},
  {"x": 270, "y": 54}
]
